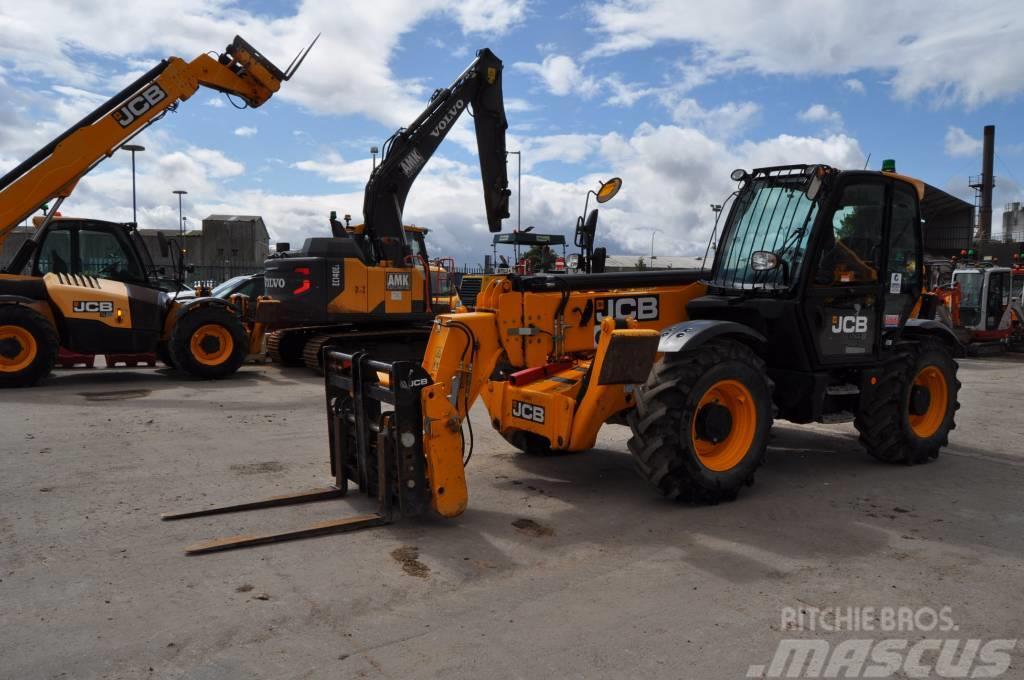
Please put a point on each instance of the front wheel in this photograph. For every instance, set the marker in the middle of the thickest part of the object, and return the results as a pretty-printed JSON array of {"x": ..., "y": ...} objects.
[
  {"x": 913, "y": 408},
  {"x": 208, "y": 342},
  {"x": 700, "y": 428}
]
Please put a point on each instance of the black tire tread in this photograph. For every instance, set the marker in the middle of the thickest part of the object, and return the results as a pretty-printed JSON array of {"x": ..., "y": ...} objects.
[
  {"x": 656, "y": 444},
  {"x": 881, "y": 421},
  {"x": 179, "y": 346}
]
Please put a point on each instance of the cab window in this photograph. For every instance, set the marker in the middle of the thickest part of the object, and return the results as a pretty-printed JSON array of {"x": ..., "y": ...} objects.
[
  {"x": 902, "y": 270},
  {"x": 104, "y": 256},
  {"x": 852, "y": 249},
  {"x": 55, "y": 253}
]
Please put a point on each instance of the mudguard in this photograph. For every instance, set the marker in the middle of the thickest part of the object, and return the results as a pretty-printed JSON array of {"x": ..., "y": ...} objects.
[
  {"x": 16, "y": 300},
  {"x": 690, "y": 334},
  {"x": 916, "y": 328},
  {"x": 186, "y": 306}
]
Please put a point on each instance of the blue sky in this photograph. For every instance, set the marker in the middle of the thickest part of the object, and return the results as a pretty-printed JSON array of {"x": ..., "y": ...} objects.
[{"x": 669, "y": 95}]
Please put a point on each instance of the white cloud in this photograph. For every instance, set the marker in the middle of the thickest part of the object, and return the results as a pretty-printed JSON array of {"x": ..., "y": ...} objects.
[
  {"x": 961, "y": 144},
  {"x": 626, "y": 94},
  {"x": 215, "y": 102},
  {"x": 361, "y": 83},
  {"x": 819, "y": 113},
  {"x": 854, "y": 85},
  {"x": 561, "y": 76},
  {"x": 246, "y": 131},
  {"x": 722, "y": 121},
  {"x": 517, "y": 105},
  {"x": 947, "y": 50}
]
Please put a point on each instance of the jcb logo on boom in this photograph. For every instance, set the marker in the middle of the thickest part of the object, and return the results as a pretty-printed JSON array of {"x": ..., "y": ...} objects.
[
  {"x": 102, "y": 307},
  {"x": 531, "y": 412},
  {"x": 641, "y": 308},
  {"x": 849, "y": 324},
  {"x": 138, "y": 105}
]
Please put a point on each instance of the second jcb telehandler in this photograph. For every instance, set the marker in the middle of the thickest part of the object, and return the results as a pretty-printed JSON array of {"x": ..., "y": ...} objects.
[
  {"x": 90, "y": 285},
  {"x": 809, "y": 313}
]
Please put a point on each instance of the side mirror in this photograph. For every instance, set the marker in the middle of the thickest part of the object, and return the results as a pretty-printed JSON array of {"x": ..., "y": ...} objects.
[
  {"x": 165, "y": 248},
  {"x": 283, "y": 246},
  {"x": 597, "y": 260},
  {"x": 764, "y": 261},
  {"x": 609, "y": 189},
  {"x": 813, "y": 187}
]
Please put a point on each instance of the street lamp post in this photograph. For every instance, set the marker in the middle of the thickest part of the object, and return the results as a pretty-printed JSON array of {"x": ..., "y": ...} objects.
[
  {"x": 133, "y": 148},
  {"x": 373, "y": 152},
  {"x": 181, "y": 224},
  {"x": 654, "y": 230}
]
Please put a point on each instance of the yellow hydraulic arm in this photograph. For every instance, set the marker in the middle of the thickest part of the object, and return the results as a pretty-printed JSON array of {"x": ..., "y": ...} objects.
[{"x": 54, "y": 171}]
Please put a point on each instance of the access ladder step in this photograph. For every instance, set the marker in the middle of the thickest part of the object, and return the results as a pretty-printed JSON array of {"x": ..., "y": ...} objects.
[
  {"x": 839, "y": 417},
  {"x": 841, "y": 390}
]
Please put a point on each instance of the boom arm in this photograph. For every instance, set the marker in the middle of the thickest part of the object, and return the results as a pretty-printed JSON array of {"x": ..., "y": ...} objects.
[
  {"x": 54, "y": 171},
  {"x": 410, "y": 148}
]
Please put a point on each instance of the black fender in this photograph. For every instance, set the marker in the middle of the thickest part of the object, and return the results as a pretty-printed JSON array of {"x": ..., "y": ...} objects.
[
  {"x": 919, "y": 328},
  {"x": 690, "y": 334},
  {"x": 186, "y": 306},
  {"x": 16, "y": 300}
]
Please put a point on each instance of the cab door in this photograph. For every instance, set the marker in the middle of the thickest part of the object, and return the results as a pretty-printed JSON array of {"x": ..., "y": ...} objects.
[{"x": 844, "y": 294}]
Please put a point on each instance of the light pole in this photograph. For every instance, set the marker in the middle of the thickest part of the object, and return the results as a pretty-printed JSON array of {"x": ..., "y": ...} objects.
[
  {"x": 181, "y": 221},
  {"x": 519, "y": 188},
  {"x": 181, "y": 225},
  {"x": 373, "y": 152},
  {"x": 654, "y": 230},
  {"x": 133, "y": 148},
  {"x": 717, "y": 210}
]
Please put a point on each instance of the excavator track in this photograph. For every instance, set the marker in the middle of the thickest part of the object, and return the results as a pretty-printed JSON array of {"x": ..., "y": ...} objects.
[
  {"x": 312, "y": 353},
  {"x": 285, "y": 346}
]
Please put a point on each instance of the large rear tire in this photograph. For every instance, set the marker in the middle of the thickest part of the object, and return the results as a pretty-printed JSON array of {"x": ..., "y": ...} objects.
[
  {"x": 28, "y": 346},
  {"x": 208, "y": 342},
  {"x": 700, "y": 428},
  {"x": 913, "y": 408}
]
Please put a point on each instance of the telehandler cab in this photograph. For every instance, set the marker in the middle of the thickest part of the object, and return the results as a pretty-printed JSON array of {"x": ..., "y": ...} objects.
[{"x": 808, "y": 314}]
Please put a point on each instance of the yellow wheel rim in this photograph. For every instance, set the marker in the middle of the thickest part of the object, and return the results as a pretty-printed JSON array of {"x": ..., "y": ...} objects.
[
  {"x": 928, "y": 423},
  {"x": 26, "y": 351},
  {"x": 727, "y": 453},
  {"x": 211, "y": 344}
]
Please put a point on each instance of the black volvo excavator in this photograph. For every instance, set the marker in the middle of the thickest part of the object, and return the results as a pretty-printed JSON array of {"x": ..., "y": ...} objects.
[{"x": 370, "y": 284}]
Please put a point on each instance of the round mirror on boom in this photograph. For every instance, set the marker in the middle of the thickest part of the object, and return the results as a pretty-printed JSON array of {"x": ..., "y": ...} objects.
[
  {"x": 609, "y": 189},
  {"x": 738, "y": 175}
]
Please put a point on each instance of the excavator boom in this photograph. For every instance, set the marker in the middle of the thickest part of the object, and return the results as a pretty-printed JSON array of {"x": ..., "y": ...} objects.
[
  {"x": 54, "y": 170},
  {"x": 407, "y": 152}
]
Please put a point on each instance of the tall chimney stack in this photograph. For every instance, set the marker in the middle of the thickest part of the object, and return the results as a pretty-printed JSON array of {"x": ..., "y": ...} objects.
[{"x": 987, "y": 182}]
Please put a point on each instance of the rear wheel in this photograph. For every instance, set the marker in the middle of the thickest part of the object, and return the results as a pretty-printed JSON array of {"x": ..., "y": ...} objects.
[
  {"x": 28, "y": 346},
  {"x": 208, "y": 342},
  {"x": 913, "y": 408},
  {"x": 700, "y": 428}
]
